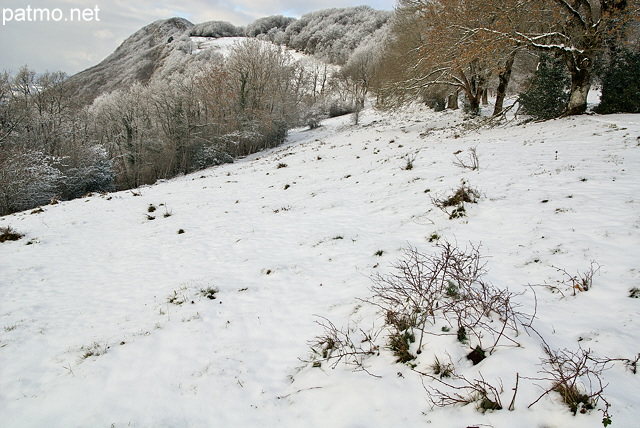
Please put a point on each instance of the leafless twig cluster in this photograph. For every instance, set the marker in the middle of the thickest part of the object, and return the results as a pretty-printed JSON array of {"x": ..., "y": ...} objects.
[
  {"x": 348, "y": 345},
  {"x": 459, "y": 390},
  {"x": 473, "y": 163},
  {"x": 576, "y": 376},
  {"x": 448, "y": 286},
  {"x": 581, "y": 281}
]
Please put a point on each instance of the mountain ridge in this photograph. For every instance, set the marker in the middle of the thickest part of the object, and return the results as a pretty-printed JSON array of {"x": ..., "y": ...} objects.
[{"x": 135, "y": 60}]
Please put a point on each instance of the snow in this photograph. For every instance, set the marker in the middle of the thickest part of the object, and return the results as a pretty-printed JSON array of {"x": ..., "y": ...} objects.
[
  {"x": 286, "y": 244},
  {"x": 222, "y": 44}
]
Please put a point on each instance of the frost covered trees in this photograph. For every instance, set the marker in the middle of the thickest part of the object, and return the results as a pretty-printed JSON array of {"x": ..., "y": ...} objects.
[
  {"x": 364, "y": 63},
  {"x": 189, "y": 110},
  {"x": 45, "y": 149},
  {"x": 332, "y": 34},
  {"x": 27, "y": 179},
  {"x": 204, "y": 116},
  {"x": 268, "y": 26},
  {"x": 216, "y": 29},
  {"x": 250, "y": 100}
]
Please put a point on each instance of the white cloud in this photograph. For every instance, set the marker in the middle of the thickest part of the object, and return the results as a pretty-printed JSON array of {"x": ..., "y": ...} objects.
[{"x": 104, "y": 34}]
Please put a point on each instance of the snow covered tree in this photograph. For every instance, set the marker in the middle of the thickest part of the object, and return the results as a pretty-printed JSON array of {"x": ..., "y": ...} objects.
[
  {"x": 575, "y": 30},
  {"x": 87, "y": 170},
  {"x": 572, "y": 29},
  {"x": 362, "y": 66},
  {"x": 123, "y": 123},
  {"x": 10, "y": 117},
  {"x": 461, "y": 43},
  {"x": 27, "y": 179},
  {"x": 332, "y": 34},
  {"x": 216, "y": 29},
  {"x": 263, "y": 77},
  {"x": 267, "y": 25}
]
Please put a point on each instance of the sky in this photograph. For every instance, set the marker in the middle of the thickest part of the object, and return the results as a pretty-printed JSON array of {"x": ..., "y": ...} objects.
[{"x": 72, "y": 35}]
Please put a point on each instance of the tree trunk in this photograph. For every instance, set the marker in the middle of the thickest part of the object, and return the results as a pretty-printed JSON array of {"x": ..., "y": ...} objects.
[
  {"x": 503, "y": 83},
  {"x": 452, "y": 100},
  {"x": 580, "y": 71},
  {"x": 473, "y": 106}
]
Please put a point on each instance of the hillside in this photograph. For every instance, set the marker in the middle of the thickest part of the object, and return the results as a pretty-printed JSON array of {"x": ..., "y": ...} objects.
[
  {"x": 106, "y": 310},
  {"x": 164, "y": 48},
  {"x": 135, "y": 60}
]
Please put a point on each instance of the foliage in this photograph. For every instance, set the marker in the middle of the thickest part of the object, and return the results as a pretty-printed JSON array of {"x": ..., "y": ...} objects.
[
  {"x": 547, "y": 96},
  {"x": 419, "y": 292},
  {"x": 173, "y": 112},
  {"x": 577, "y": 377},
  {"x": 464, "y": 44},
  {"x": 473, "y": 164},
  {"x": 209, "y": 292},
  {"x": 621, "y": 84},
  {"x": 347, "y": 345},
  {"x": 399, "y": 343},
  {"x": 581, "y": 281},
  {"x": 441, "y": 53},
  {"x": 48, "y": 151},
  {"x": 442, "y": 370}
]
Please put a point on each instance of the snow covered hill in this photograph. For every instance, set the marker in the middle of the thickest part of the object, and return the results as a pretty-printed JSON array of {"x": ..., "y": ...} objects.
[
  {"x": 191, "y": 303},
  {"x": 137, "y": 59}
]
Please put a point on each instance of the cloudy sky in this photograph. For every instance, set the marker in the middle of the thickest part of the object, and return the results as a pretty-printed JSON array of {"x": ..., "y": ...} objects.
[{"x": 71, "y": 41}]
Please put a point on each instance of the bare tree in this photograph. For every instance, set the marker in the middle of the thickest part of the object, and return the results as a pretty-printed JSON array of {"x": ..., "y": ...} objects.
[
  {"x": 574, "y": 30},
  {"x": 437, "y": 46}
]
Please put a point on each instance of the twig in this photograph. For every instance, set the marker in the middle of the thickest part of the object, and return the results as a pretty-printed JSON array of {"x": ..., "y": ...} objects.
[
  {"x": 280, "y": 397},
  {"x": 515, "y": 391}
]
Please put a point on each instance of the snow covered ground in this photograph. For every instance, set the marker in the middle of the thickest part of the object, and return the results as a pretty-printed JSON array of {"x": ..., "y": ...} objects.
[
  {"x": 221, "y": 44},
  {"x": 103, "y": 323}
]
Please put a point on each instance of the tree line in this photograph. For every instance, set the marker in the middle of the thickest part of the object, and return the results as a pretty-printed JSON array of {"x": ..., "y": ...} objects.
[
  {"x": 53, "y": 146},
  {"x": 464, "y": 47}
]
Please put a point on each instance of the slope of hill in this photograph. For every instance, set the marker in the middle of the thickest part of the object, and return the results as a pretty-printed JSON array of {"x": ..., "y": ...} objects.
[
  {"x": 135, "y": 60},
  {"x": 106, "y": 303},
  {"x": 164, "y": 47}
]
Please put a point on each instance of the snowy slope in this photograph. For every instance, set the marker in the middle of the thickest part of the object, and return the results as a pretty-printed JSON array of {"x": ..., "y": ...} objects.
[{"x": 89, "y": 336}]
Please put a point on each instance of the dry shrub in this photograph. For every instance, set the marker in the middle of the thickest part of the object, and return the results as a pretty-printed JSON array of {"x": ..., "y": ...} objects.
[{"x": 9, "y": 234}]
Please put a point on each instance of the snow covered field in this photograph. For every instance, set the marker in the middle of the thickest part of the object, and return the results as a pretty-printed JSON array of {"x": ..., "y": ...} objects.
[{"x": 104, "y": 322}]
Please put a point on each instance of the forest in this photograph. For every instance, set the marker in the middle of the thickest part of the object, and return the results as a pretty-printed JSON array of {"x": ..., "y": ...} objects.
[{"x": 199, "y": 109}]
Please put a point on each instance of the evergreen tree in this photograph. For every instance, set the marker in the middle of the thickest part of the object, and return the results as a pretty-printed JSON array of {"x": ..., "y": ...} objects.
[
  {"x": 621, "y": 84},
  {"x": 547, "y": 95}
]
